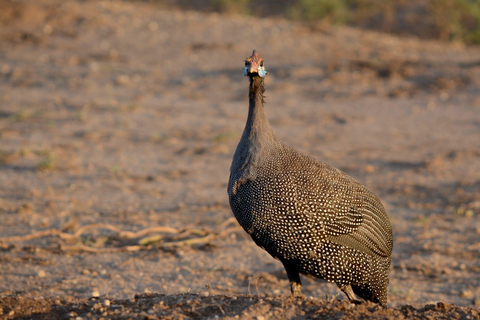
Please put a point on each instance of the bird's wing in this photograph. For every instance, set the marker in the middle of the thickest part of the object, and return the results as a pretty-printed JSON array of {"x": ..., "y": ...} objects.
[
  {"x": 352, "y": 215},
  {"x": 363, "y": 227}
]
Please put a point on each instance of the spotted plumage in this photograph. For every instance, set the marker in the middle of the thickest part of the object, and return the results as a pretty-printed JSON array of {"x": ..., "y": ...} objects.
[{"x": 309, "y": 215}]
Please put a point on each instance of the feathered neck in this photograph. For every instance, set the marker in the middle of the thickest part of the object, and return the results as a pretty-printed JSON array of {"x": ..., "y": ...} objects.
[
  {"x": 257, "y": 89},
  {"x": 258, "y": 137},
  {"x": 257, "y": 128}
]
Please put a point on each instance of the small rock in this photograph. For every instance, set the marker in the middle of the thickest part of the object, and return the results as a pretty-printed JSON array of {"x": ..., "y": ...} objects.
[
  {"x": 469, "y": 213},
  {"x": 260, "y": 318},
  {"x": 443, "y": 96},
  {"x": 106, "y": 303},
  {"x": 6, "y": 69},
  {"x": 429, "y": 307},
  {"x": 204, "y": 294},
  {"x": 73, "y": 61},
  {"x": 443, "y": 305},
  {"x": 47, "y": 29},
  {"x": 123, "y": 79},
  {"x": 42, "y": 274},
  {"x": 466, "y": 294},
  {"x": 95, "y": 294}
]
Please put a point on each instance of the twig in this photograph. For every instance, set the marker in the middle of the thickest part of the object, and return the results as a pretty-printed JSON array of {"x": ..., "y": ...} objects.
[
  {"x": 153, "y": 229},
  {"x": 229, "y": 230},
  {"x": 188, "y": 242},
  {"x": 204, "y": 236},
  {"x": 82, "y": 247},
  {"x": 123, "y": 233},
  {"x": 227, "y": 222},
  {"x": 39, "y": 234}
]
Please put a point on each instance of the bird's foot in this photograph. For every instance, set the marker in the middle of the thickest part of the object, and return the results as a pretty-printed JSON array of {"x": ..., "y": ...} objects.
[
  {"x": 356, "y": 301},
  {"x": 296, "y": 290}
]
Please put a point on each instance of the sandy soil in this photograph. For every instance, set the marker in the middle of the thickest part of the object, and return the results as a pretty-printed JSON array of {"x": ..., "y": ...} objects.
[{"x": 118, "y": 121}]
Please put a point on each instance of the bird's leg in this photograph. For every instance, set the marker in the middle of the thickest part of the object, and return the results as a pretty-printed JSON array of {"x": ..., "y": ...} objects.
[
  {"x": 347, "y": 289},
  {"x": 294, "y": 278}
]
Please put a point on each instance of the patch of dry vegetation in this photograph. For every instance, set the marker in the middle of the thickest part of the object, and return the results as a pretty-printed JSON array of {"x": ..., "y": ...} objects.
[{"x": 448, "y": 20}]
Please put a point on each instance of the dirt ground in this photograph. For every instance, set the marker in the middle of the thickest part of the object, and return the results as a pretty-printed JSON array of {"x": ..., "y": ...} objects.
[{"x": 118, "y": 122}]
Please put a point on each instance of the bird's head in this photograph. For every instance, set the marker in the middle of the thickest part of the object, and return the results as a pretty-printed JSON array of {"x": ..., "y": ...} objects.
[{"x": 254, "y": 66}]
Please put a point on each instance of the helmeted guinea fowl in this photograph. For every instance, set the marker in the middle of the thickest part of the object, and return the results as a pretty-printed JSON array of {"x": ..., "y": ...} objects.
[{"x": 311, "y": 216}]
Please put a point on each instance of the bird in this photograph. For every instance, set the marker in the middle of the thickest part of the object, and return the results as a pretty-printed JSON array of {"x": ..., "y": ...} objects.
[{"x": 312, "y": 217}]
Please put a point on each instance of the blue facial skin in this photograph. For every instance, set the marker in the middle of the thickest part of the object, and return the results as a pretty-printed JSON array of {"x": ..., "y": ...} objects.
[{"x": 261, "y": 71}]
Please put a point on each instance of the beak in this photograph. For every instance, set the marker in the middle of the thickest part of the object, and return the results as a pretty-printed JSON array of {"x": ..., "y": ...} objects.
[{"x": 253, "y": 67}]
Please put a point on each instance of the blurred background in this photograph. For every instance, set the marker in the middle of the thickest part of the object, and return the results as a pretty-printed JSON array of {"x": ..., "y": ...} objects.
[
  {"x": 121, "y": 116},
  {"x": 448, "y": 20}
]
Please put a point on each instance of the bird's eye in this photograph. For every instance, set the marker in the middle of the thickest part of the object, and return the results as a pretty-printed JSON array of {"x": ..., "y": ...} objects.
[
  {"x": 261, "y": 64},
  {"x": 246, "y": 63}
]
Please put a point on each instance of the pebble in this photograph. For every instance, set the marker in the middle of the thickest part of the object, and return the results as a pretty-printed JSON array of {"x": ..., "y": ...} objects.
[
  {"x": 443, "y": 96},
  {"x": 429, "y": 307},
  {"x": 204, "y": 294},
  {"x": 123, "y": 79},
  {"x": 95, "y": 294},
  {"x": 466, "y": 294},
  {"x": 443, "y": 305},
  {"x": 47, "y": 29},
  {"x": 106, "y": 303},
  {"x": 6, "y": 69},
  {"x": 42, "y": 274}
]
